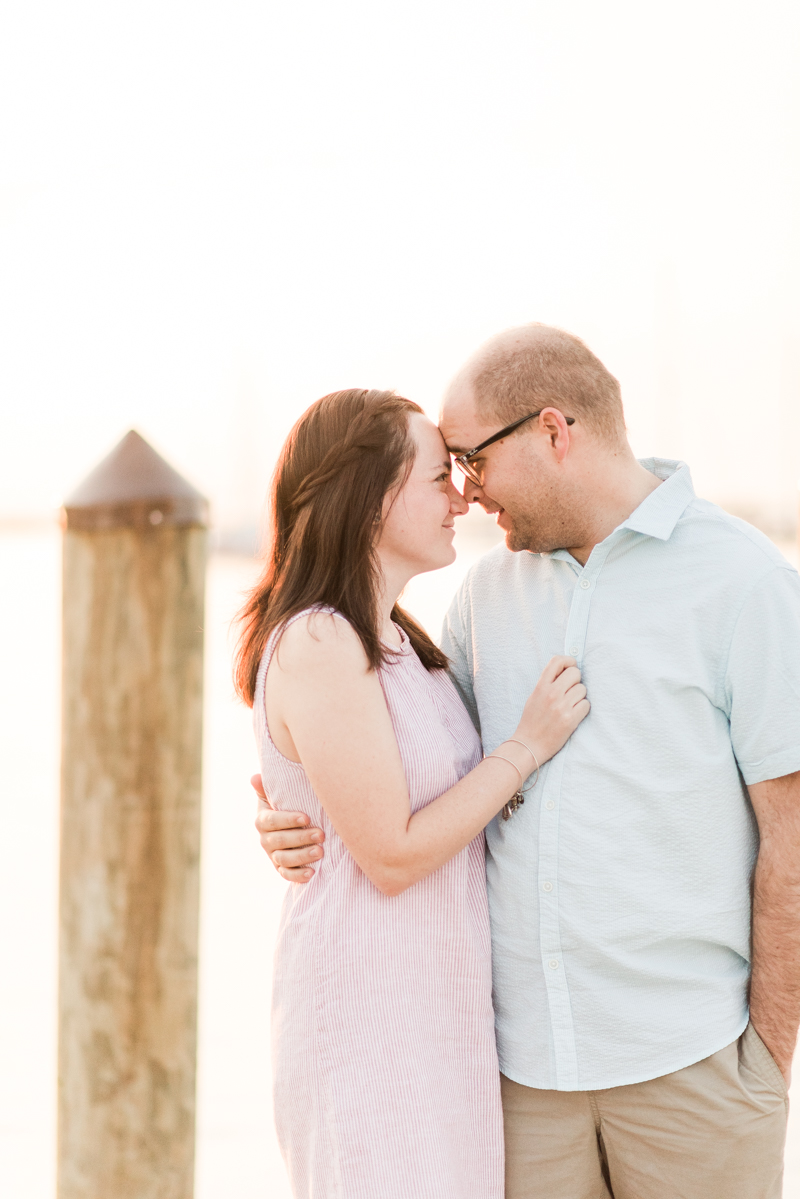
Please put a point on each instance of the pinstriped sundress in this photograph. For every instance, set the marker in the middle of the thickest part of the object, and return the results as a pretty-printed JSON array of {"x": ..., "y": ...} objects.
[{"x": 385, "y": 1068}]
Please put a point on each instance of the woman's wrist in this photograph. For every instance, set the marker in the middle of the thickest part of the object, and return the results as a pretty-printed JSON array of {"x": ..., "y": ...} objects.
[
  {"x": 535, "y": 753},
  {"x": 521, "y": 753}
]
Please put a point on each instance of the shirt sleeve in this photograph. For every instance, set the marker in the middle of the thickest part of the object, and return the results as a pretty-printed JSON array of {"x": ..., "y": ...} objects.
[
  {"x": 454, "y": 644},
  {"x": 763, "y": 679}
]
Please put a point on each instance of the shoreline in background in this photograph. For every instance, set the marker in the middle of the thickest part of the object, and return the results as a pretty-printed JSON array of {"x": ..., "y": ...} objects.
[{"x": 476, "y": 529}]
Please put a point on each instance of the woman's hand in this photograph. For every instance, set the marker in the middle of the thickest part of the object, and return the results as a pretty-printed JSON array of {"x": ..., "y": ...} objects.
[{"x": 554, "y": 709}]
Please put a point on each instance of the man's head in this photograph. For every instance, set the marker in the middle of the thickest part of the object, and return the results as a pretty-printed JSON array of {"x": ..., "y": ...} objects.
[{"x": 541, "y": 477}]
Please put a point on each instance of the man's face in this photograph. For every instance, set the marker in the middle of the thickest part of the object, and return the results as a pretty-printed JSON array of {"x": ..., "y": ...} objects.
[{"x": 525, "y": 482}]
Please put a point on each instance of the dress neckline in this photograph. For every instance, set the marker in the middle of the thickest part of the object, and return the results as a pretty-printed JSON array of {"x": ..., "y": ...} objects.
[{"x": 405, "y": 647}]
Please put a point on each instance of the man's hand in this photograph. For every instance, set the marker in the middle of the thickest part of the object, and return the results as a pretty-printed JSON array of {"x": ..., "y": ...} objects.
[
  {"x": 775, "y": 986},
  {"x": 286, "y": 838}
]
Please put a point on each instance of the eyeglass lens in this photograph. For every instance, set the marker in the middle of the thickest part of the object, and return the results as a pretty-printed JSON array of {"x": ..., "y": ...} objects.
[{"x": 469, "y": 472}]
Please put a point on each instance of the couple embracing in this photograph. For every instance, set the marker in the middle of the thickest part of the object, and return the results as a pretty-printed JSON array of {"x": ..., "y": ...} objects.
[{"x": 535, "y": 948}]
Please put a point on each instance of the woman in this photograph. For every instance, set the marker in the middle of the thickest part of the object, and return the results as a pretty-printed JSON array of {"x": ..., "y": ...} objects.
[{"x": 386, "y": 1076}]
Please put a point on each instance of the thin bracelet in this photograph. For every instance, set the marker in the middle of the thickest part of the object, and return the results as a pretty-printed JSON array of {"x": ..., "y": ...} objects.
[
  {"x": 517, "y": 798},
  {"x": 517, "y": 741},
  {"x": 504, "y": 759}
]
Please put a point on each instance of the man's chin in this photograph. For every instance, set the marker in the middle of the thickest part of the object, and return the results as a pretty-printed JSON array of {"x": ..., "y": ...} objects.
[
  {"x": 515, "y": 542},
  {"x": 536, "y": 539},
  {"x": 518, "y": 540}
]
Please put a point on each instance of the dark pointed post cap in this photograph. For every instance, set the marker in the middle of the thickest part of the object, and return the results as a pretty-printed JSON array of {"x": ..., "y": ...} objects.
[{"x": 134, "y": 488}]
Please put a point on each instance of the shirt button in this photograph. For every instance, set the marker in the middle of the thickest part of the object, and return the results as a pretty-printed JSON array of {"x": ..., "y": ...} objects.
[
  {"x": 553, "y": 964},
  {"x": 547, "y": 886},
  {"x": 549, "y": 805},
  {"x": 585, "y": 584},
  {"x": 573, "y": 649}
]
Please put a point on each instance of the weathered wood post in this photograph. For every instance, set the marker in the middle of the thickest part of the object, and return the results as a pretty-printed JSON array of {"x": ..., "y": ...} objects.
[{"x": 134, "y": 571}]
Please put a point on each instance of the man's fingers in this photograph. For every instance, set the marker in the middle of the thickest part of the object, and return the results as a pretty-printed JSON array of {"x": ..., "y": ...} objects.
[
  {"x": 295, "y": 876},
  {"x": 270, "y": 821},
  {"x": 258, "y": 787},
  {"x": 291, "y": 839},
  {"x": 291, "y": 859}
]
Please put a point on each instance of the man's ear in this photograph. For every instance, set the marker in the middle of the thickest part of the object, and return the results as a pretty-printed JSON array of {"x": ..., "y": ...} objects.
[{"x": 554, "y": 426}]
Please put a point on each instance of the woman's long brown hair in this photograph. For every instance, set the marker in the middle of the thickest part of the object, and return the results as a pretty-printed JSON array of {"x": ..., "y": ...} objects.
[{"x": 341, "y": 458}]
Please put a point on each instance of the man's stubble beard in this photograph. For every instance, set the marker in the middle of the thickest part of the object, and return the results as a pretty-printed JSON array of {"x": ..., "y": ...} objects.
[{"x": 550, "y": 523}]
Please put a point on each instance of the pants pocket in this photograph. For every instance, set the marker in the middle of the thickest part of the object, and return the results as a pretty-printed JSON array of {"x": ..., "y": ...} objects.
[{"x": 754, "y": 1053}]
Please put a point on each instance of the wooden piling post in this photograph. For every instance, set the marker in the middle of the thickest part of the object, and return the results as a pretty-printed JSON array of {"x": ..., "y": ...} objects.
[{"x": 134, "y": 572}]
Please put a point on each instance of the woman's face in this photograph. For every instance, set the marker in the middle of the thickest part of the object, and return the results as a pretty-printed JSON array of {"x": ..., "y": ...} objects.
[{"x": 417, "y": 533}]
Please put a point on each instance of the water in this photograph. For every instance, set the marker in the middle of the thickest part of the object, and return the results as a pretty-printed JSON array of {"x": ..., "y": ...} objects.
[{"x": 237, "y": 1157}]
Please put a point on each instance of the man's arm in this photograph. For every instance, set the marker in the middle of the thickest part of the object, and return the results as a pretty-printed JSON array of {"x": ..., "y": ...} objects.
[
  {"x": 287, "y": 840},
  {"x": 775, "y": 985}
]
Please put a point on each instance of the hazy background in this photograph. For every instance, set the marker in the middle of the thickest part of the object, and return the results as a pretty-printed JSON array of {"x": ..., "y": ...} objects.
[{"x": 212, "y": 213}]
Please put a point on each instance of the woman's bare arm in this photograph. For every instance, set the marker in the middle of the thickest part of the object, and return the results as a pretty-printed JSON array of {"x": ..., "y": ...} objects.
[{"x": 326, "y": 709}]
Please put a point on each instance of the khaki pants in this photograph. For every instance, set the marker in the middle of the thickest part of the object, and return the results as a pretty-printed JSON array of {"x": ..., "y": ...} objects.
[{"x": 714, "y": 1130}]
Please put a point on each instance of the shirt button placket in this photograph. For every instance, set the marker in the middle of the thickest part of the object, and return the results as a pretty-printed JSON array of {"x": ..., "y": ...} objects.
[
  {"x": 560, "y": 1008},
  {"x": 563, "y": 1031},
  {"x": 579, "y": 614}
]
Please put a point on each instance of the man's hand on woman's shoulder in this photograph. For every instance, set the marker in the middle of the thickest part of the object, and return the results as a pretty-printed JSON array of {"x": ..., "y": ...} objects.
[{"x": 286, "y": 838}]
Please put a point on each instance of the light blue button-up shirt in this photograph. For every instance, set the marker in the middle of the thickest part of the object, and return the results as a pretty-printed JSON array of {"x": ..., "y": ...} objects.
[{"x": 620, "y": 891}]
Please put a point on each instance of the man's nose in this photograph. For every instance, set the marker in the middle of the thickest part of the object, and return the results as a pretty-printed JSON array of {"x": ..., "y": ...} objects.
[{"x": 473, "y": 492}]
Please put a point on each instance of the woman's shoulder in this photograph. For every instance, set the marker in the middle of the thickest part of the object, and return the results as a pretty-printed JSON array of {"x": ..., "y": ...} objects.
[{"x": 320, "y": 639}]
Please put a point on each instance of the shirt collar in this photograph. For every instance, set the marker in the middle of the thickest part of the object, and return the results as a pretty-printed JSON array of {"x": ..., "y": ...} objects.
[{"x": 658, "y": 515}]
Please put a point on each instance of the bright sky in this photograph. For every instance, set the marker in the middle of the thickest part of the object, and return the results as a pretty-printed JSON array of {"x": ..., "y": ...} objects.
[{"x": 213, "y": 212}]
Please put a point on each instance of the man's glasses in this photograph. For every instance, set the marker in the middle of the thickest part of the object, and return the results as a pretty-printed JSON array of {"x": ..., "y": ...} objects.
[{"x": 463, "y": 460}]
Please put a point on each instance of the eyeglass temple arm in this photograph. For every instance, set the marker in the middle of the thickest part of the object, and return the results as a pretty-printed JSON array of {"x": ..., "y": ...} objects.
[{"x": 462, "y": 459}]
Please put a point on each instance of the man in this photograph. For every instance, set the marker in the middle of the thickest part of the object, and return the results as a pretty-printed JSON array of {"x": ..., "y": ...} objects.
[{"x": 651, "y": 881}]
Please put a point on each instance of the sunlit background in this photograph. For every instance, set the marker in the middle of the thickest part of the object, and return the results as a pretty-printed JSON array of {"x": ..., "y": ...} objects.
[
  {"x": 212, "y": 213},
  {"x": 215, "y": 212}
]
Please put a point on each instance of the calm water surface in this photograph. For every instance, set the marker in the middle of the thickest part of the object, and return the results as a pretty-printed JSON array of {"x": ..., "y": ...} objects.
[{"x": 237, "y": 1157}]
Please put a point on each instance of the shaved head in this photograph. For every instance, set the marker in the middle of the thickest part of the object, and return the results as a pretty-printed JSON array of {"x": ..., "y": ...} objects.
[{"x": 537, "y": 366}]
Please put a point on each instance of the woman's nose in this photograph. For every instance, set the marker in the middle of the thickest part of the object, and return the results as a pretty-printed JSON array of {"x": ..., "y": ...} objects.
[{"x": 458, "y": 503}]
